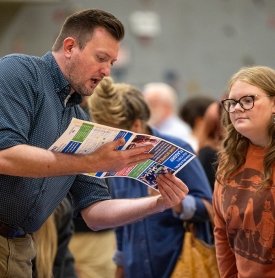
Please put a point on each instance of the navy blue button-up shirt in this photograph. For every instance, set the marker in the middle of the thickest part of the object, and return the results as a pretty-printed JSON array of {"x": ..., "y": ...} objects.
[{"x": 33, "y": 111}]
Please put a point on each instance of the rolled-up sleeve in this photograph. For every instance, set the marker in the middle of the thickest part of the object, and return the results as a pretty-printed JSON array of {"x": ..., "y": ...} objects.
[{"x": 87, "y": 190}]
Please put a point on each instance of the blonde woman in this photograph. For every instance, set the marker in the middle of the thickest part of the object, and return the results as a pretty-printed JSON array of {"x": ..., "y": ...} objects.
[
  {"x": 244, "y": 195},
  {"x": 150, "y": 247}
]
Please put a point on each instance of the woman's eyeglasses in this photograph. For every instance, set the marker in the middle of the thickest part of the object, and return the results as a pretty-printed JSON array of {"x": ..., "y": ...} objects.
[{"x": 246, "y": 102}]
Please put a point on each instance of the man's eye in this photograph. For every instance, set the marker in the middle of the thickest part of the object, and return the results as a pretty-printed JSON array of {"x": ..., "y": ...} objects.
[{"x": 101, "y": 59}]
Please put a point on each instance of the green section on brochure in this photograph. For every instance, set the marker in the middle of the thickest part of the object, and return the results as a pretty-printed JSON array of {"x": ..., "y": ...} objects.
[
  {"x": 83, "y": 132},
  {"x": 139, "y": 169}
]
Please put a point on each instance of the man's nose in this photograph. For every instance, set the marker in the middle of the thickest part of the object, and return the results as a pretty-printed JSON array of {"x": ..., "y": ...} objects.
[{"x": 106, "y": 70}]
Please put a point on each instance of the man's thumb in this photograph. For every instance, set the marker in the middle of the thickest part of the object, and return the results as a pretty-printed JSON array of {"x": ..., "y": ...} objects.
[{"x": 119, "y": 142}]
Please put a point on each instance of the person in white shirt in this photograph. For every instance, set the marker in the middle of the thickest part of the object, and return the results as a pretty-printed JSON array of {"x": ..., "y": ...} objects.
[{"x": 162, "y": 100}]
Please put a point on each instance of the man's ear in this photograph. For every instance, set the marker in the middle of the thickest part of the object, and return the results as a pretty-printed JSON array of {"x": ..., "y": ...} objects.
[{"x": 68, "y": 44}]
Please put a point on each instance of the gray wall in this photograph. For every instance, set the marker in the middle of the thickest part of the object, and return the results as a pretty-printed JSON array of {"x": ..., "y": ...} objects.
[{"x": 202, "y": 42}]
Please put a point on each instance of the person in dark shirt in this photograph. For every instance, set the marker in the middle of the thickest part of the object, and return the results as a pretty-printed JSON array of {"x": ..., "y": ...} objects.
[
  {"x": 210, "y": 140},
  {"x": 39, "y": 98}
]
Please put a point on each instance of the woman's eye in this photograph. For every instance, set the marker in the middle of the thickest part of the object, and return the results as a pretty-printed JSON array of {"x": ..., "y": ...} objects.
[{"x": 247, "y": 100}]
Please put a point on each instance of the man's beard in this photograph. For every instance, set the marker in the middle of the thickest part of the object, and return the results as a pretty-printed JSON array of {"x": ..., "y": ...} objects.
[
  {"x": 79, "y": 88},
  {"x": 75, "y": 82}
]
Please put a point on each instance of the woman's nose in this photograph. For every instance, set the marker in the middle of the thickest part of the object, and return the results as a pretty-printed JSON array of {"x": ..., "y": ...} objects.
[{"x": 238, "y": 107}]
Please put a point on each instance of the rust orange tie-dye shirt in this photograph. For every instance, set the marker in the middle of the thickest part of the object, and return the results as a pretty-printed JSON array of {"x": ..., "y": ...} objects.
[{"x": 245, "y": 221}]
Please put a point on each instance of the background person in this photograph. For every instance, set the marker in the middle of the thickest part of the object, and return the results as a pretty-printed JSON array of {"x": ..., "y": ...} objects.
[
  {"x": 150, "y": 247},
  {"x": 53, "y": 257},
  {"x": 210, "y": 140},
  {"x": 192, "y": 112},
  {"x": 162, "y": 100}
]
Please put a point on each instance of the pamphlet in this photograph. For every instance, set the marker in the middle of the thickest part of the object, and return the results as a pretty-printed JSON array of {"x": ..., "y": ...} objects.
[{"x": 84, "y": 137}]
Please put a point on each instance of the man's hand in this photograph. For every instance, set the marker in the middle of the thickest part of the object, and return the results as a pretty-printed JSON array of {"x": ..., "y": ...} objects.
[
  {"x": 108, "y": 158},
  {"x": 172, "y": 190}
]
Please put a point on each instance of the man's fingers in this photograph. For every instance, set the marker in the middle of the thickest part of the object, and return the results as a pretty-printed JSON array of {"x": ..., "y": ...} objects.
[
  {"x": 119, "y": 142},
  {"x": 134, "y": 151},
  {"x": 140, "y": 149},
  {"x": 173, "y": 181},
  {"x": 172, "y": 188}
]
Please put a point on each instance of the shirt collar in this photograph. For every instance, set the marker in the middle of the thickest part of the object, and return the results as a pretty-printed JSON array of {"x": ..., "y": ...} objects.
[{"x": 62, "y": 86}]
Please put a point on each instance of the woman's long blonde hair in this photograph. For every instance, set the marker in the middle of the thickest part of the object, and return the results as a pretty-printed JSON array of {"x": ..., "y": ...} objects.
[{"x": 235, "y": 146}]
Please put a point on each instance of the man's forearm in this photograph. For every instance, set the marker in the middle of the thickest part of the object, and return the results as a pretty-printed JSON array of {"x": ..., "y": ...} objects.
[
  {"x": 29, "y": 161},
  {"x": 118, "y": 212}
]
